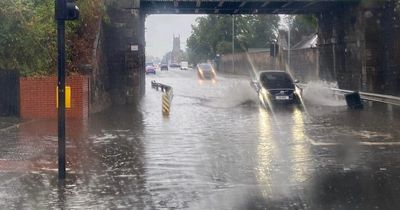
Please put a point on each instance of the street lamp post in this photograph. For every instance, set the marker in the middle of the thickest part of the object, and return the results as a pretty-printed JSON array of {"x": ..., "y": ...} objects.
[
  {"x": 233, "y": 43},
  {"x": 289, "y": 44}
]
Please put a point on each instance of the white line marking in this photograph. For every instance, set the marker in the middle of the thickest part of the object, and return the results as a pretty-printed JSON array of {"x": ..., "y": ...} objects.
[{"x": 365, "y": 143}]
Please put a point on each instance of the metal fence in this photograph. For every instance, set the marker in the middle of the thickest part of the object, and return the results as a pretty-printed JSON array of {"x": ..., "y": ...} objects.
[{"x": 9, "y": 93}]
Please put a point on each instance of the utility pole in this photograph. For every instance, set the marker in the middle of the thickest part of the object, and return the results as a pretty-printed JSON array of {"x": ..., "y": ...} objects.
[
  {"x": 289, "y": 44},
  {"x": 233, "y": 43},
  {"x": 65, "y": 10},
  {"x": 61, "y": 97}
]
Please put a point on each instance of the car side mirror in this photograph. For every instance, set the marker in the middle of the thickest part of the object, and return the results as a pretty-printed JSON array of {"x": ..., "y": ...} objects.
[{"x": 296, "y": 81}]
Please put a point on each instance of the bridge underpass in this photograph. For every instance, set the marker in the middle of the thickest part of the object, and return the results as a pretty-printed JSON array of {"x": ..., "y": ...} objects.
[
  {"x": 242, "y": 7},
  {"x": 343, "y": 26}
]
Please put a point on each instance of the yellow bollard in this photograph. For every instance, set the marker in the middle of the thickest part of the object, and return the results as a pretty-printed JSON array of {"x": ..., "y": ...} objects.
[{"x": 166, "y": 104}]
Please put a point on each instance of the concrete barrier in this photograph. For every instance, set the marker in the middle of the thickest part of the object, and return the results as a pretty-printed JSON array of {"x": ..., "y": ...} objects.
[{"x": 388, "y": 99}]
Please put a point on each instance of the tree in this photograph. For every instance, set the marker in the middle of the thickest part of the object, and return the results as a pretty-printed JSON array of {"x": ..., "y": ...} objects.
[
  {"x": 28, "y": 35},
  {"x": 213, "y": 34},
  {"x": 302, "y": 25}
]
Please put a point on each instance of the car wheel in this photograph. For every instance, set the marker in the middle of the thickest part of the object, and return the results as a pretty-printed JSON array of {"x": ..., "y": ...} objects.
[{"x": 296, "y": 99}]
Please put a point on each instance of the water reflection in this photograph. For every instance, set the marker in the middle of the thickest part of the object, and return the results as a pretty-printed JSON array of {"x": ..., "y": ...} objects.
[
  {"x": 300, "y": 149},
  {"x": 264, "y": 153},
  {"x": 104, "y": 161},
  {"x": 283, "y": 152},
  {"x": 117, "y": 141}
]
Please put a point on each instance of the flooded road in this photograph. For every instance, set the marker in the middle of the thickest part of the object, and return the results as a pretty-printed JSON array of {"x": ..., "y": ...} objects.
[{"x": 218, "y": 149}]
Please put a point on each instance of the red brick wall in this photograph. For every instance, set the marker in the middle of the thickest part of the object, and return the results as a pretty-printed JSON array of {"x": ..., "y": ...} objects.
[{"x": 38, "y": 97}]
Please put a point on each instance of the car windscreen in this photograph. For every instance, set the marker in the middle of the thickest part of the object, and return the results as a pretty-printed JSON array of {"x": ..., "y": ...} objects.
[
  {"x": 276, "y": 80},
  {"x": 205, "y": 67}
]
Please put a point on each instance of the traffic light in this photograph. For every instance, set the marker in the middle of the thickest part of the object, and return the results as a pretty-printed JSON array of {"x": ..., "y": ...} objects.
[
  {"x": 66, "y": 10},
  {"x": 72, "y": 11}
]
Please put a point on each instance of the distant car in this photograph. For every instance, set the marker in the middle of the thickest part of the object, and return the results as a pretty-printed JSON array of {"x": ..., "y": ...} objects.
[
  {"x": 164, "y": 67},
  {"x": 276, "y": 86},
  {"x": 205, "y": 71},
  {"x": 174, "y": 65},
  {"x": 150, "y": 69}
]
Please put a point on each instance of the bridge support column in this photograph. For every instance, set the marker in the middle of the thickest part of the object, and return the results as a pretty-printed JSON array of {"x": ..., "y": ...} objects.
[
  {"x": 341, "y": 47},
  {"x": 125, "y": 49},
  {"x": 359, "y": 47}
]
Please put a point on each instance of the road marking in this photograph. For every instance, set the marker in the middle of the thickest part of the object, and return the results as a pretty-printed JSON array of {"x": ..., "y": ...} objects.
[
  {"x": 379, "y": 143},
  {"x": 314, "y": 143},
  {"x": 364, "y": 143}
]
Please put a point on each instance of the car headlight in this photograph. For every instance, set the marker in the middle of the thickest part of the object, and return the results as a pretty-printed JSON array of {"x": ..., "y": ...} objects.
[
  {"x": 264, "y": 92},
  {"x": 213, "y": 71}
]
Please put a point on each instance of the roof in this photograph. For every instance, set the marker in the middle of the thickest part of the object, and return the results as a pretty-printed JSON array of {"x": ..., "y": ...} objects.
[{"x": 270, "y": 71}]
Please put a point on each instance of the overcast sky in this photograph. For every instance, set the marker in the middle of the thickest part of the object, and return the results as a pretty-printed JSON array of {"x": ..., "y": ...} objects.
[{"x": 161, "y": 28}]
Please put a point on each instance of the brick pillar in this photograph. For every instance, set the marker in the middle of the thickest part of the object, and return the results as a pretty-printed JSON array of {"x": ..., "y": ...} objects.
[{"x": 125, "y": 49}]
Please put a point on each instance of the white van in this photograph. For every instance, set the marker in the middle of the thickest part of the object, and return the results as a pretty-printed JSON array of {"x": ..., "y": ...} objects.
[{"x": 184, "y": 65}]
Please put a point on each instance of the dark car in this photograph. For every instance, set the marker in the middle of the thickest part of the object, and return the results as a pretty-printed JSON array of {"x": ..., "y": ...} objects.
[
  {"x": 276, "y": 86},
  {"x": 205, "y": 71},
  {"x": 164, "y": 67}
]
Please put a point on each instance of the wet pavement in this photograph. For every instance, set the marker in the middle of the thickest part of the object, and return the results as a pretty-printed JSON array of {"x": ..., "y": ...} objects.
[
  {"x": 8, "y": 122},
  {"x": 218, "y": 149}
]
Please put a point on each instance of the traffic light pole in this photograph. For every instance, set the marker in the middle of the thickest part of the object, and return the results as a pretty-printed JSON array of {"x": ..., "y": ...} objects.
[
  {"x": 61, "y": 97},
  {"x": 64, "y": 10}
]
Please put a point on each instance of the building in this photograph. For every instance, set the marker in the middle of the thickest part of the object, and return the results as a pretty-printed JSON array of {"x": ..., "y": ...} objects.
[{"x": 176, "y": 53}]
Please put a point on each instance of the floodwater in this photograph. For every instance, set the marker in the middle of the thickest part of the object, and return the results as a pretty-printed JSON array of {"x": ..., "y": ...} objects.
[{"x": 218, "y": 149}]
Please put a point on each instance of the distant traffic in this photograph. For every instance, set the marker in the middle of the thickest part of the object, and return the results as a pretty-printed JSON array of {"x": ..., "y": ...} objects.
[{"x": 272, "y": 86}]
